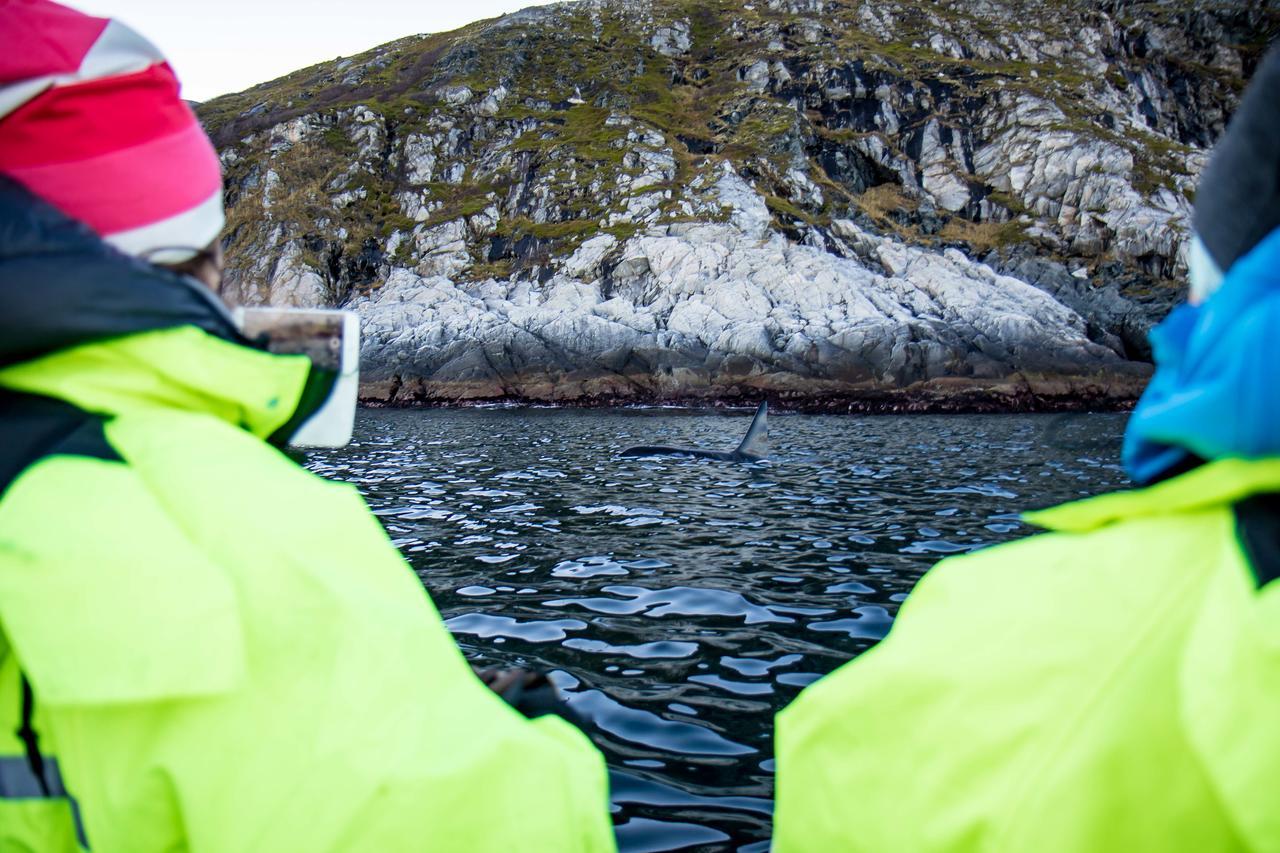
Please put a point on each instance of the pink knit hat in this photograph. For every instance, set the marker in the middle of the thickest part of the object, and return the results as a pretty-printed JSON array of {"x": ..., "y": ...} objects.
[{"x": 91, "y": 121}]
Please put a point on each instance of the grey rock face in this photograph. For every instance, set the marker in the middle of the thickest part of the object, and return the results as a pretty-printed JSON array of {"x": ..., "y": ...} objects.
[
  {"x": 1120, "y": 322},
  {"x": 639, "y": 200},
  {"x": 705, "y": 310},
  {"x": 671, "y": 40},
  {"x": 1082, "y": 190}
]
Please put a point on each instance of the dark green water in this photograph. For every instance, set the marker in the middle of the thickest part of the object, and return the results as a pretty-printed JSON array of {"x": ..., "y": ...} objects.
[{"x": 680, "y": 603}]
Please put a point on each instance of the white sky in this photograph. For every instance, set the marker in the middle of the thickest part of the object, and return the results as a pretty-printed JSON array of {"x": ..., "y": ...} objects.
[{"x": 221, "y": 46}]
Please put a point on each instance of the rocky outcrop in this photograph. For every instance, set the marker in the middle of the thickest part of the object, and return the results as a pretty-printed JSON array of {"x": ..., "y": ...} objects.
[
  {"x": 836, "y": 203},
  {"x": 711, "y": 312}
]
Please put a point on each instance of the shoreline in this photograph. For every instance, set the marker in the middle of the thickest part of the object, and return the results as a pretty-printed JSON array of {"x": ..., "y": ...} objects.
[{"x": 951, "y": 396}]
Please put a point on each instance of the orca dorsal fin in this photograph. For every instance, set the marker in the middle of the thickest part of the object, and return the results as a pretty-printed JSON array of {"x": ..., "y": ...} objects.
[{"x": 756, "y": 444}]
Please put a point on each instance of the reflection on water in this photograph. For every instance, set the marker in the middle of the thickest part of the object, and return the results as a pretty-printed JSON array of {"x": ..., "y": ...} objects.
[{"x": 680, "y": 603}]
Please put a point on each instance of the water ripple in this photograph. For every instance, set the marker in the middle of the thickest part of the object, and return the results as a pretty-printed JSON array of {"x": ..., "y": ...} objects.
[
  {"x": 650, "y": 729},
  {"x": 676, "y": 601},
  {"x": 534, "y": 631},
  {"x": 680, "y": 603}
]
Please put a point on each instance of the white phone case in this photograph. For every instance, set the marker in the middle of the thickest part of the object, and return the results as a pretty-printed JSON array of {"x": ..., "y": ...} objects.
[{"x": 337, "y": 345}]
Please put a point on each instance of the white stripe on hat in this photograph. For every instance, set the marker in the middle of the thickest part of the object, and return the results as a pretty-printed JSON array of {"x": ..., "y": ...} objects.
[
  {"x": 118, "y": 50},
  {"x": 176, "y": 239},
  {"x": 17, "y": 94}
]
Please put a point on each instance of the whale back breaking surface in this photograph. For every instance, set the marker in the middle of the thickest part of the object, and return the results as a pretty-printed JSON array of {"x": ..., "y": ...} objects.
[
  {"x": 754, "y": 447},
  {"x": 663, "y": 450}
]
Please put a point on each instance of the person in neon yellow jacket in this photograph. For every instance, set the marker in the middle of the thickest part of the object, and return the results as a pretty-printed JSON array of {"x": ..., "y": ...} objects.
[
  {"x": 202, "y": 645},
  {"x": 1112, "y": 684}
]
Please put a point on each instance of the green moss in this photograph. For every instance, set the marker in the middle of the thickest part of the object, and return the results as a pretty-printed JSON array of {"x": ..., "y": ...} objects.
[
  {"x": 458, "y": 201},
  {"x": 499, "y": 269},
  {"x": 622, "y": 231},
  {"x": 337, "y": 140},
  {"x": 1008, "y": 201},
  {"x": 983, "y": 236},
  {"x": 883, "y": 199},
  {"x": 781, "y": 207},
  {"x": 521, "y": 226},
  {"x": 404, "y": 254},
  {"x": 579, "y": 132}
]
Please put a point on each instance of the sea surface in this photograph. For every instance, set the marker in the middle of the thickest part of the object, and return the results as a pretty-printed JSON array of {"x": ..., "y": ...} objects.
[{"x": 679, "y": 603}]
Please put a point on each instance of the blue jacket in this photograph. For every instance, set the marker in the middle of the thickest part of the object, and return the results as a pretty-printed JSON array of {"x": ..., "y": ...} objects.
[{"x": 1213, "y": 395}]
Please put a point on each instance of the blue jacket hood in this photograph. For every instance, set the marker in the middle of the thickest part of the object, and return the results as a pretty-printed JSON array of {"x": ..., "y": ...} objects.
[{"x": 1214, "y": 393}]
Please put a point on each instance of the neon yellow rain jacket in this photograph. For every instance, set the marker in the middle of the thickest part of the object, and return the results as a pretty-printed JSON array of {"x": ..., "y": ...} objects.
[
  {"x": 203, "y": 645},
  {"x": 1111, "y": 686}
]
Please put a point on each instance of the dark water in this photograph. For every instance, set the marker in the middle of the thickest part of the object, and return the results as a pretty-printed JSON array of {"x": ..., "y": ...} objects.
[{"x": 680, "y": 602}]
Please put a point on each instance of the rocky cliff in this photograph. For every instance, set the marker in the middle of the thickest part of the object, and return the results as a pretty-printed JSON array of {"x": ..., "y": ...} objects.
[{"x": 836, "y": 203}]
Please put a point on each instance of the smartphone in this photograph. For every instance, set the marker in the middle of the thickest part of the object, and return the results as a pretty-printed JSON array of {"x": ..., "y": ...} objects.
[{"x": 331, "y": 339}]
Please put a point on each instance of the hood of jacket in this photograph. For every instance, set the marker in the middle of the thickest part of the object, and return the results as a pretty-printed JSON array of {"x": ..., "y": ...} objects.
[
  {"x": 1213, "y": 395},
  {"x": 106, "y": 332}
]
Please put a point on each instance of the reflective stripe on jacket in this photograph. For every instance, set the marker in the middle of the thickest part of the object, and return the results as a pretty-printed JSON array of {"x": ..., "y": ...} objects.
[
  {"x": 1112, "y": 685},
  {"x": 36, "y": 810}
]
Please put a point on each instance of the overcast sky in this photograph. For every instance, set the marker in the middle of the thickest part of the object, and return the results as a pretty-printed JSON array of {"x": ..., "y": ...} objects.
[{"x": 229, "y": 45}]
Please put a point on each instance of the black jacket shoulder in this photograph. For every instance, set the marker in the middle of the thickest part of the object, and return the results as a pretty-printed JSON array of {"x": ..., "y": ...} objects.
[
  {"x": 33, "y": 427},
  {"x": 64, "y": 286}
]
